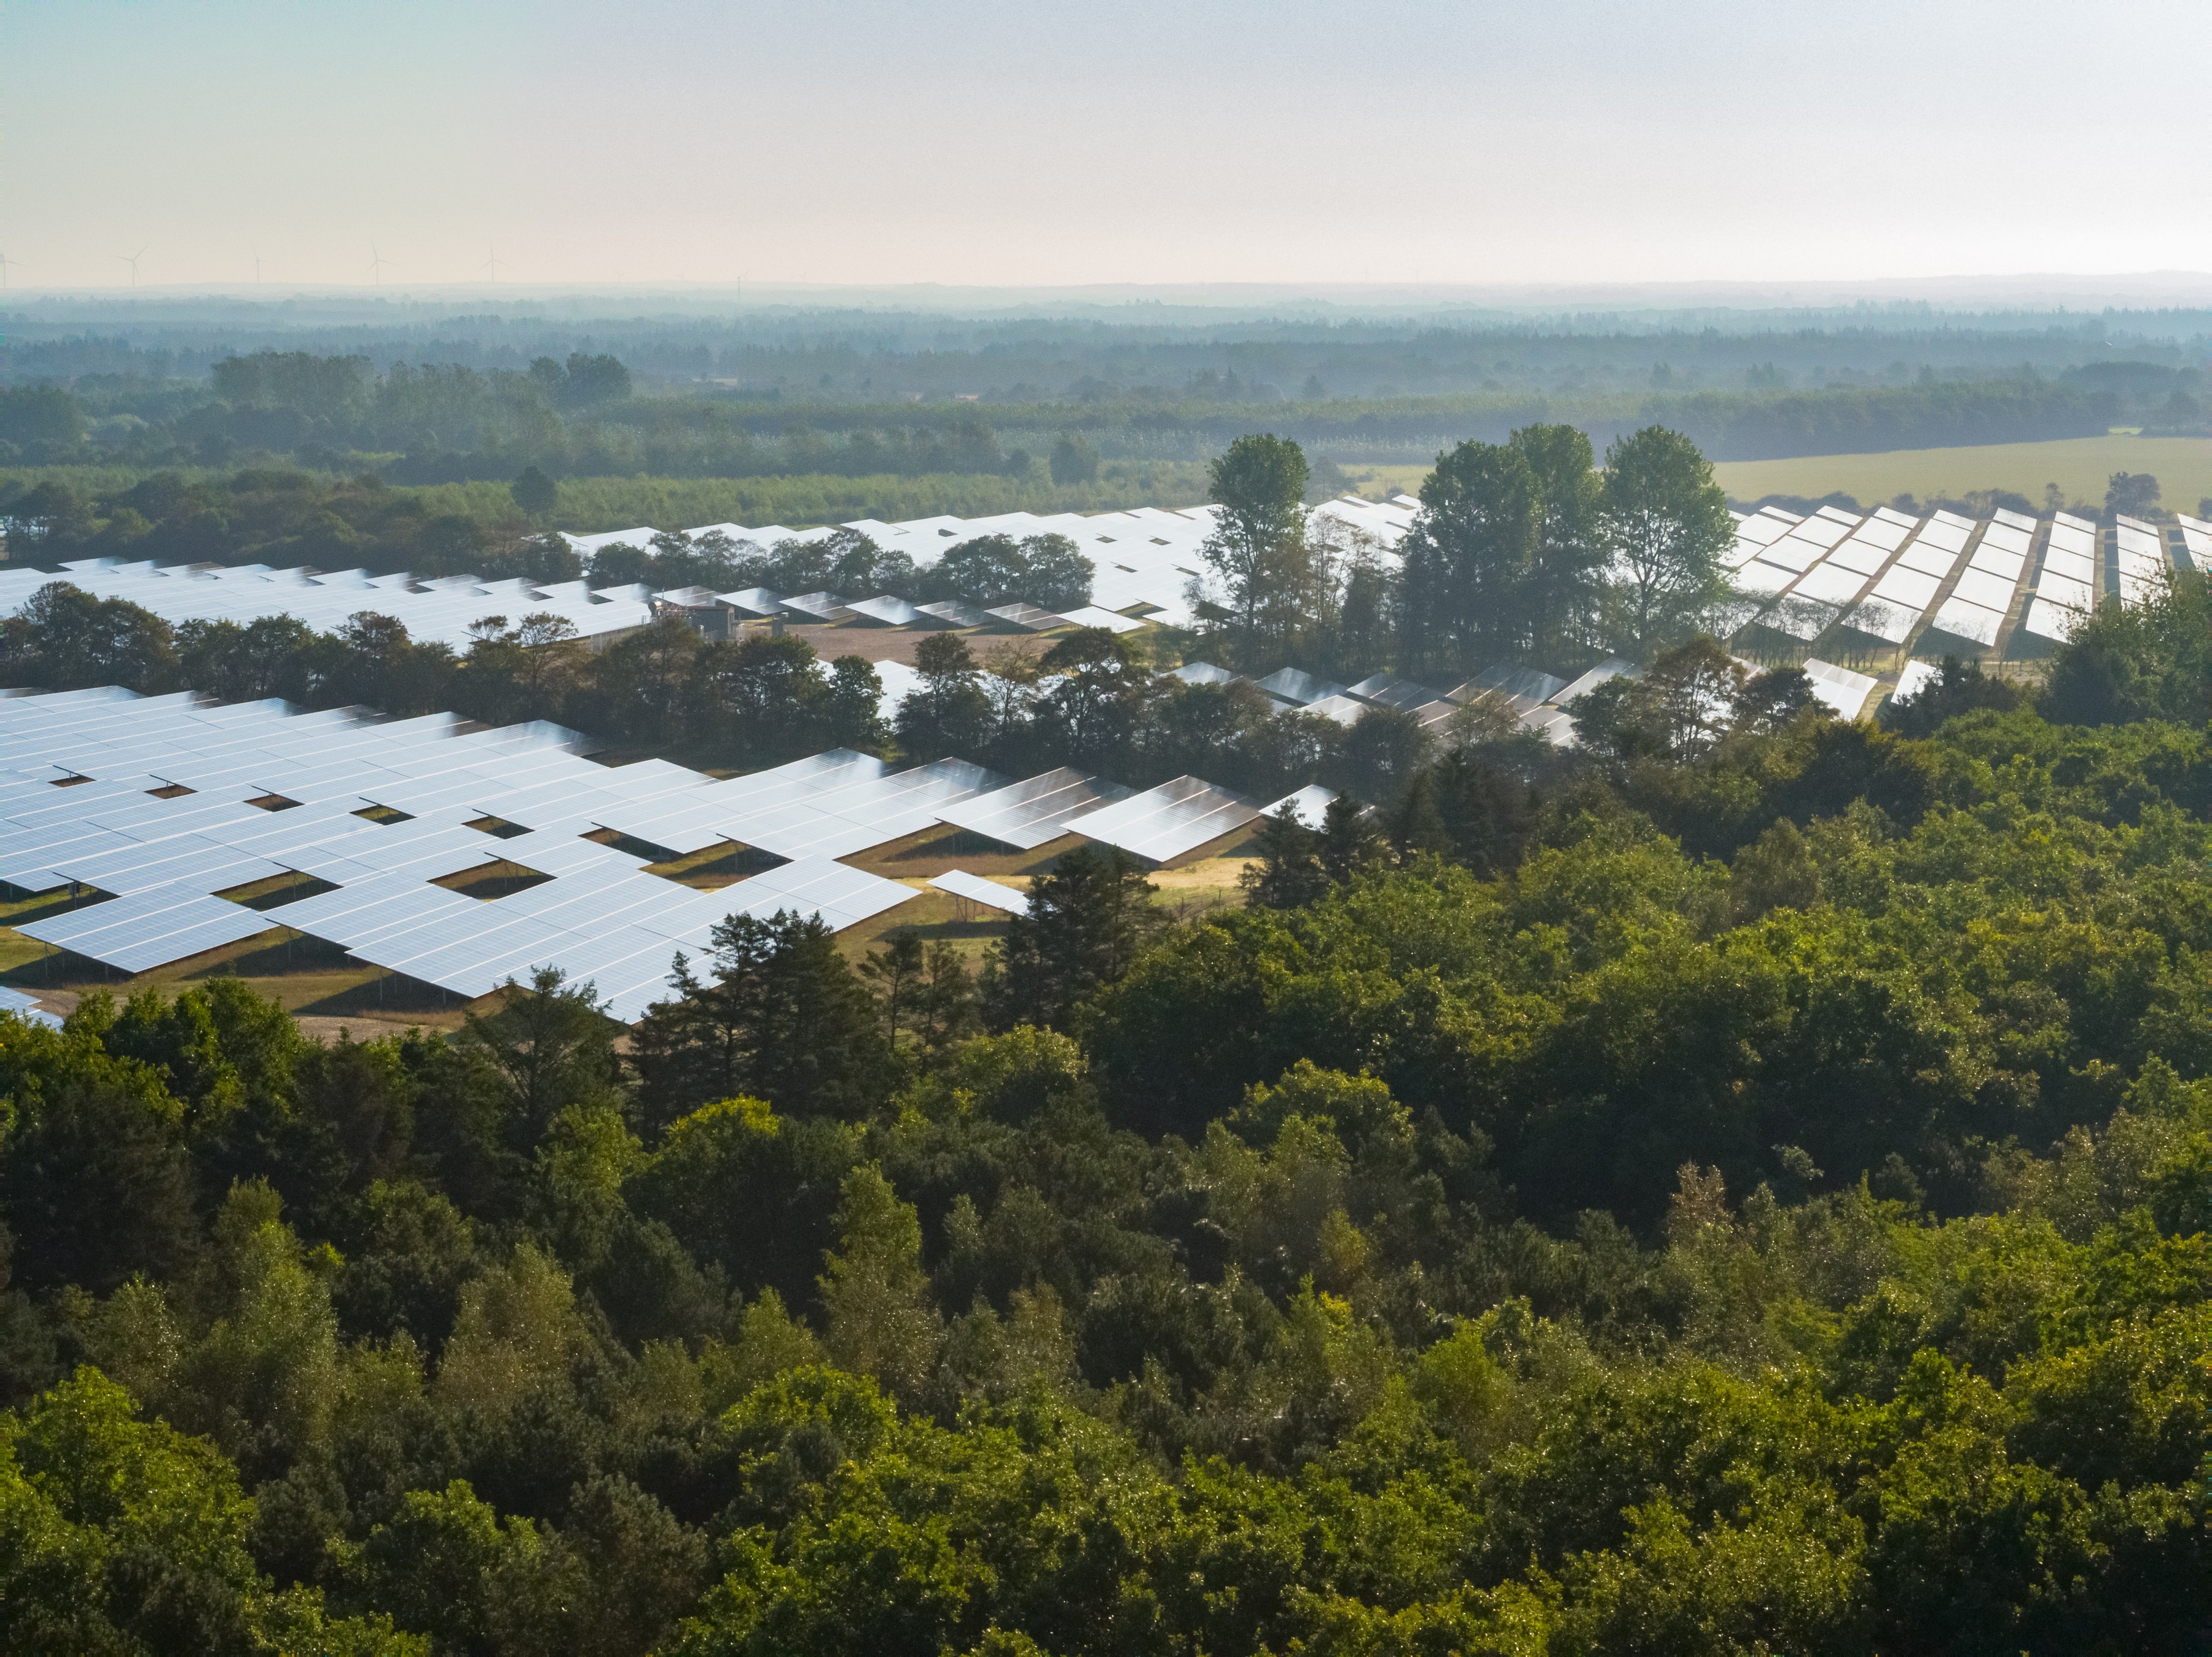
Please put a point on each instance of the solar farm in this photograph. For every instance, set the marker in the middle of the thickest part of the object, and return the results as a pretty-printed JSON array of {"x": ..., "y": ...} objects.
[
  {"x": 157, "y": 815},
  {"x": 445, "y": 858},
  {"x": 1889, "y": 583}
]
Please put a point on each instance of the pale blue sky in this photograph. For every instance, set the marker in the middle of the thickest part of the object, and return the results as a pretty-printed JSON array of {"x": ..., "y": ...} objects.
[{"x": 988, "y": 142}]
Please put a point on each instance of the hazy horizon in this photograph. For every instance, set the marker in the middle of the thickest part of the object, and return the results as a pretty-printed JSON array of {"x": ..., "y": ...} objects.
[{"x": 1595, "y": 146}]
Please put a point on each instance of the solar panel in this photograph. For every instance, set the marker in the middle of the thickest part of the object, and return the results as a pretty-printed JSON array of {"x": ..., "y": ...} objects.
[
  {"x": 843, "y": 897},
  {"x": 977, "y": 890},
  {"x": 1400, "y": 693},
  {"x": 1167, "y": 821},
  {"x": 2047, "y": 619},
  {"x": 1968, "y": 620},
  {"x": 27, "y": 1008},
  {"x": 1830, "y": 583},
  {"x": 1979, "y": 586},
  {"x": 148, "y": 929},
  {"x": 1091, "y": 615},
  {"x": 1840, "y": 688},
  {"x": 953, "y": 613},
  {"x": 1293, "y": 685},
  {"x": 1031, "y": 813},
  {"x": 889, "y": 611},
  {"x": 1308, "y": 805}
]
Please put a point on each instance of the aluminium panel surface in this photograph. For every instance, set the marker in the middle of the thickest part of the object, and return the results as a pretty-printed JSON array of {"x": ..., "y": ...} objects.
[
  {"x": 1760, "y": 576},
  {"x": 1927, "y": 560},
  {"x": 1294, "y": 684},
  {"x": 1399, "y": 694},
  {"x": 1907, "y": 588},
  {"x": 150, "y": 929},
  {"x": 1165, "y": 822},
  {"x": 2073, "y": 595},
  {"x": 1823, "y": 532},
  {"x": 27, "y": 1008},
  {"x": 1992, "y": 560},
  {"x": 1968, "y": 620},
  {"x": 1612, "y": 668},
  {"x": 1033, "y": 812},
  {"x": 1980, "y": 587},
  {"x": 1204, "y": 673},
  {"x": 1830, "y": 584},
  {"x": 977, "y": 890},
  {"x": 1884, "y": 619},
  {"x": 2050, "y": 620},
  {"x": 1091, "y": 615},
  {"x": 1794, "y": 551},
  {"x": 843, "y": 897},
  {"x": 1308, "y": 805},
  {"x": 1882, "y": 533},
  {"x": 1840, "y": 688},
  {"x": 1860, "y": 555},
  {"x": 1800, "y": 618}
]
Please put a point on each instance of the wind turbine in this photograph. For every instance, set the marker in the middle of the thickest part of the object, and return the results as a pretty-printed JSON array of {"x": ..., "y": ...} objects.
[
  {"x": 257, "y": 268},
  {"x": 4, "y": 263},
  {"x": 131, "y": 260},
  {"x": 376, "y": 263},
  {"x": 493, "y": 263}
]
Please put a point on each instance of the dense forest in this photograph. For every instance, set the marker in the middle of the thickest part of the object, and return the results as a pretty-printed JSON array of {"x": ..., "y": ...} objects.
[{"x": 1742, "y": 1190}]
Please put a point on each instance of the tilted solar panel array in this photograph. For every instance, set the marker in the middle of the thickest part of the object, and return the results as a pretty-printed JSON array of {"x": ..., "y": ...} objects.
[{"x": 163, "y": 802}]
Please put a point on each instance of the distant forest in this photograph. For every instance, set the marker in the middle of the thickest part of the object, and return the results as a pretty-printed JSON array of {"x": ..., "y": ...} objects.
[{"x": 421, "y": 397}]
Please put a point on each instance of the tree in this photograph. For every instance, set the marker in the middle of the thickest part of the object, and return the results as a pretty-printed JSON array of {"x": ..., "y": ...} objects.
[
  {"x": 1958, "y": 688},
  {"x": 1667, "y": 524},
  {"x": 1472, "y": 586},
  {"x": 589, "y": 381},
  {"x": 65, "y": 639},
  {"x": 1571, "y": 551},
  {"x": 853, "y": 706},
  {"x": 874, "y": 1289},
  {"x": 534, "y": 492},
  {"x": 1259, "y": 535},
  {"x": 2132, "y": 494},
  {"x": 948, "y": 713},
  {"x": 1090, "y": 918},
  {"x": 1073, "y": 459},
  {"x": 1289, "y": 873},
  {"x": 91, "y": 1133},
  {"x": 552, "y": 1048},
  {"x": 782, "y": 1017}
]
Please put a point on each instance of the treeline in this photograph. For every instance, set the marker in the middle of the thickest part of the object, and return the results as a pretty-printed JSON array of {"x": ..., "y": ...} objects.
[
  {"x": 436, "y": 423},
  {"x": 285, "y": 517},
  {"x": 1150, "y": 350},
  {"x": 1758, "y": 1202},
  {"x": 1090, "y": 700}
]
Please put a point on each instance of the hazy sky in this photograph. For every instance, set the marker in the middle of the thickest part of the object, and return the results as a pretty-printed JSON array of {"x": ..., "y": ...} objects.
[{"x": 1124, "y": 141}]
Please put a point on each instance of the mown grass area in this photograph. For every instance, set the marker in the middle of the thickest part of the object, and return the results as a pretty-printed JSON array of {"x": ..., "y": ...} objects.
[{"x": 2080, "y": 466}]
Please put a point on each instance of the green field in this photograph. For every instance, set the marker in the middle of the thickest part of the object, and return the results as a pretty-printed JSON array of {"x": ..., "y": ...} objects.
[{"x": 2079, "y": 466}]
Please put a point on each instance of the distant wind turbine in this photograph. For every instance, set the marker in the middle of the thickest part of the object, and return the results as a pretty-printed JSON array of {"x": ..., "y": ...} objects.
[
  {"x": 131, "y": 260},
  {"x": 4, "y": 263},
  {"x": 493, "y": 263},
  {"x": 376, "y": 263},
  {"x": 257, "y": 267}
]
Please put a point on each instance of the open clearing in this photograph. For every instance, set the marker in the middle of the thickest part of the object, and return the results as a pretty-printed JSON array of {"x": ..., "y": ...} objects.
[{"x": 2079, "y": 466}]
